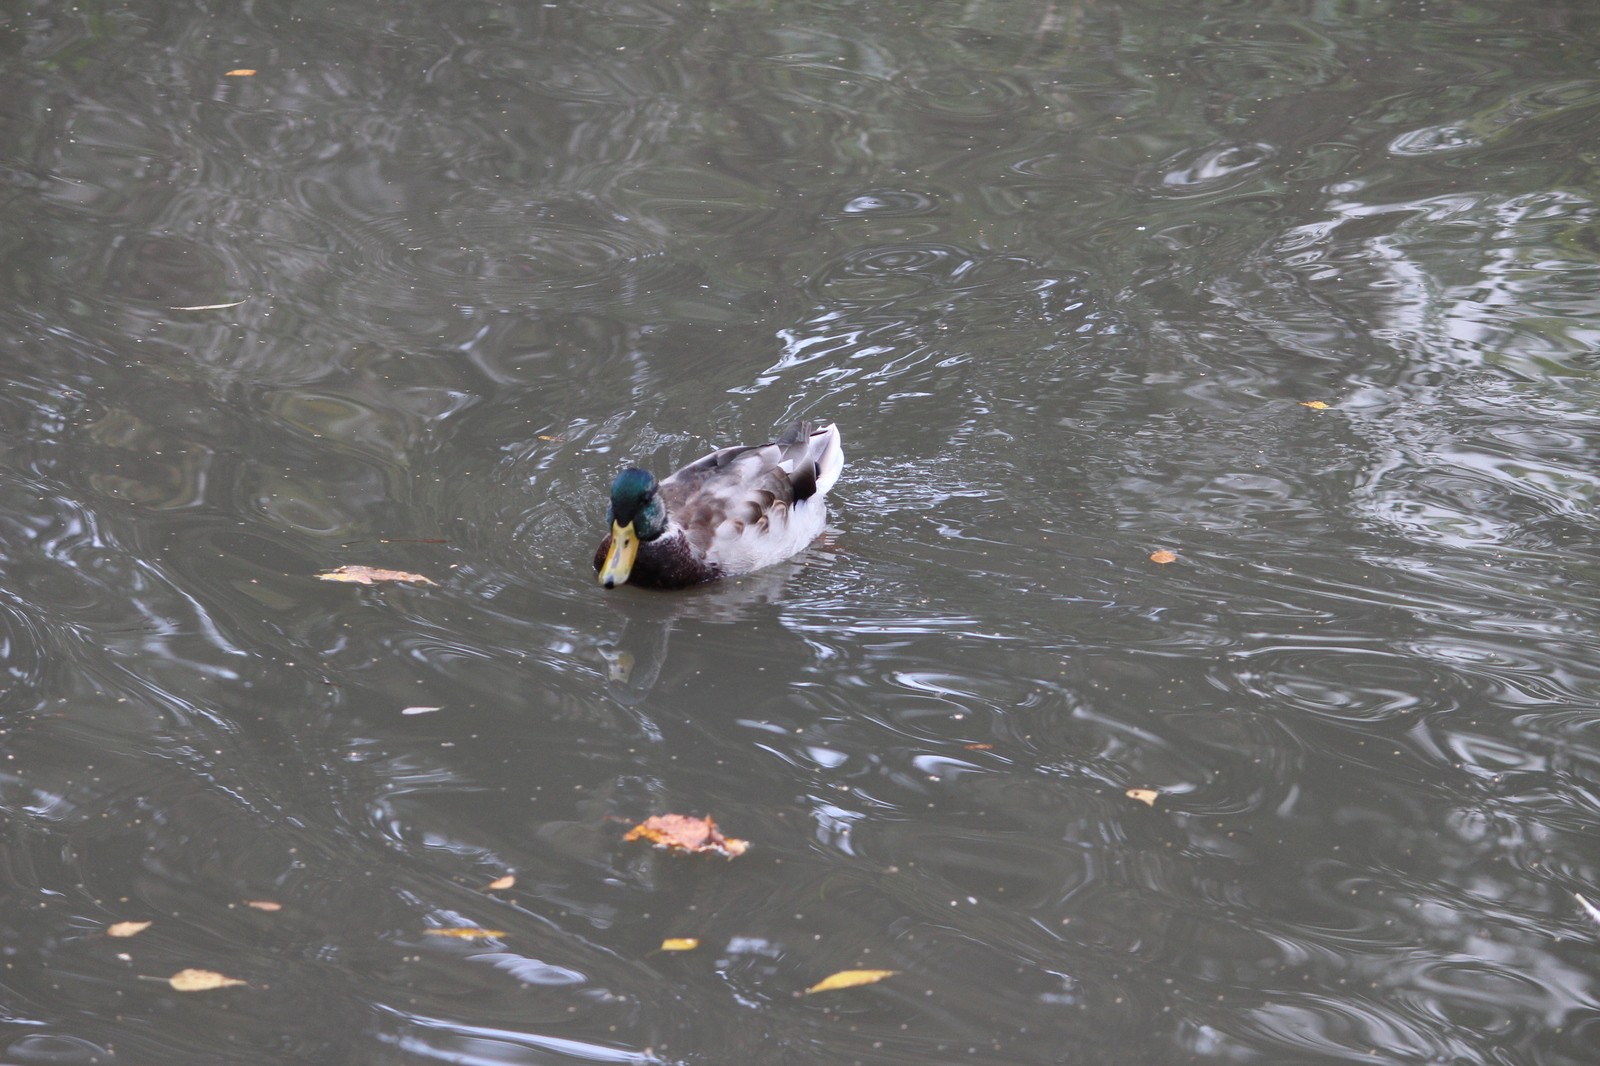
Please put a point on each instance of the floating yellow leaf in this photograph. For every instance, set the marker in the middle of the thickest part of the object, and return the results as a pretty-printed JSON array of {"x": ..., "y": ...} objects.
[
  {"x": 371, "y": 575},
  {"x": 1163, "y": 557},
  {"x": 242, "y": 72},
  {"x": 680, "y": 943},
  {"x": 849, "y": 979},
  {"x": 680, "y": 833},
  {"x": 1315, "y": 405},
  {"x": 561, "y": 440},
  {"x": 503, "y": 882},
  {"x": 263, "y": 905},
  {"x": 200, "y": 981},
  {"x": 1146, "y": 796},
  {"x": 466, "y": 934},
  {"x": 127, "y": 928}
]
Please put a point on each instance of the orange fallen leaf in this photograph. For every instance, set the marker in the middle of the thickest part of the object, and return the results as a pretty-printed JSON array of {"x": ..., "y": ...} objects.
[
  {"x": 1163, "y": 557},
  {"x": 201, "y": 981},
  {"x": 680, "y": 943},
  {"x": 559, "y": 440},
  {"x": 371, "y": 575},
  {"x": 680, "y": 833},
  {"x": 850, "y": 979},
  {"x": 127, "y": 928},
  {"x": 978, "y": 747},
  {"x": 263, "y": 905},
  {"x": 466, "y": 934},
  {"x": 503, "y": 882},
  {"x": 1315, "y": 405},
  {"x": 1147, "y": 796},
  {"x": 240, "y": 73}
]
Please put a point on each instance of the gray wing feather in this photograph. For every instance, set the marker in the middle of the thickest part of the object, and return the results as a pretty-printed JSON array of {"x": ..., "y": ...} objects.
[{"x": 734, "y": 493}]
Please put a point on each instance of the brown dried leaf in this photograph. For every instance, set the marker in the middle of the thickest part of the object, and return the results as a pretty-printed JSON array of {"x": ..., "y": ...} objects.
[
  {"x": 201, "y": 981},
  {"x": 371, "y": 575},
  {"x": 466, "y": 934},
  {"x": 680, "y": 833},
  {"x": 263, "y": 905},
  {"x": 1147, "y": 796},
  {"x": 1315, "y": 405},
  {"x": 680, "y": 943},
  {"x": 127, "y": 928},
  {"x": 978, "y": 747},
  {"x": 1163, "y": 557},
  {"x": 503, "y": 882},
  {"x": 242, "y": 72},
  {"x": 850, "y": 979}
]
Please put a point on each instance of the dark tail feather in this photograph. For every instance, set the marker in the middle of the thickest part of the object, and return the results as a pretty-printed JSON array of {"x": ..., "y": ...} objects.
[
  {"x": 796, "y": 433},
  {"x": 804, "y": 482}
]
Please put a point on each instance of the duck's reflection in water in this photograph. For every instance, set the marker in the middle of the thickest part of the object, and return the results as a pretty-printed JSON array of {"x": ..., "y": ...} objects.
[{"x": 635, "y": 661}]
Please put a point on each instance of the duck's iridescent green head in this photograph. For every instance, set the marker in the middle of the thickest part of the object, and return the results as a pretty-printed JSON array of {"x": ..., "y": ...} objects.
[
  {"x": 636, "y": 502},
  {"x": 636, "y": 515}
]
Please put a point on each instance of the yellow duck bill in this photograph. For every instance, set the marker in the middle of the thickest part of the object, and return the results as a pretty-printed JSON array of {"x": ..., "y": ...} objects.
[{"x": 619, "y": 560}]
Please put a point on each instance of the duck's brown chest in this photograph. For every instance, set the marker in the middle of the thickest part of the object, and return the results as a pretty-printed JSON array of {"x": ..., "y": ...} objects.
[{"x": 664, "y": 563}]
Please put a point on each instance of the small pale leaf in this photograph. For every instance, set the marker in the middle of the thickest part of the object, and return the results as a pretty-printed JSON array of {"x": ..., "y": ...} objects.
[
  {"x": 421, "y": 710},
  {"x": 201, "y": 981},
  {"x": 127, "y": 928},
  {"x": 466, "y": 934},
  {"x": 263, "y": 904},
  {"x": 371, "y": 575},
  {"x": 1146, "y": 796},
  {"x": 680, "y": 943},
  {"x": 503, "y": 882},
  {"x": 1315, "y": 405},
  {"x": 849, "y": 979},
  {"x": 1589, "y": 908},
  {"x": 242, "y": 72}
]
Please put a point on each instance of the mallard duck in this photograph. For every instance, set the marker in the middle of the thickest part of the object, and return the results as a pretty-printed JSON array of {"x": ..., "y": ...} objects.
[{"x": 733, "y": 511}]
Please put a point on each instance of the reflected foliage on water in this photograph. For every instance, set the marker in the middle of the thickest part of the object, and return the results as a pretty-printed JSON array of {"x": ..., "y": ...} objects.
[{"x": 1065, "y": 272}]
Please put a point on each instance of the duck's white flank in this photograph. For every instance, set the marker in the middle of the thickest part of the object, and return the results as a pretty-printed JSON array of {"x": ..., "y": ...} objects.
[{"x": 754, "y": 523}]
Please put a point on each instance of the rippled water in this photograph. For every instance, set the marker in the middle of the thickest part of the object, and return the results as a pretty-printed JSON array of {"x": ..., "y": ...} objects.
[{"x": 1065, "y": 272}]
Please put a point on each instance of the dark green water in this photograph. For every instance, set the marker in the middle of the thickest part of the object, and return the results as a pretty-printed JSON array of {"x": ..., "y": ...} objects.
[{"x": 1065, "y": 273}]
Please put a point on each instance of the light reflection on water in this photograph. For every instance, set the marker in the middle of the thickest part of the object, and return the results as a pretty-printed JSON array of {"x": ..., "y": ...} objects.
[{"x": 1065, "y": 273}]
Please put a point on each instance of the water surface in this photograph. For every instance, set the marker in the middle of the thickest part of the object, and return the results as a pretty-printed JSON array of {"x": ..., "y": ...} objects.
[{"x": 1066, "y": 273}]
